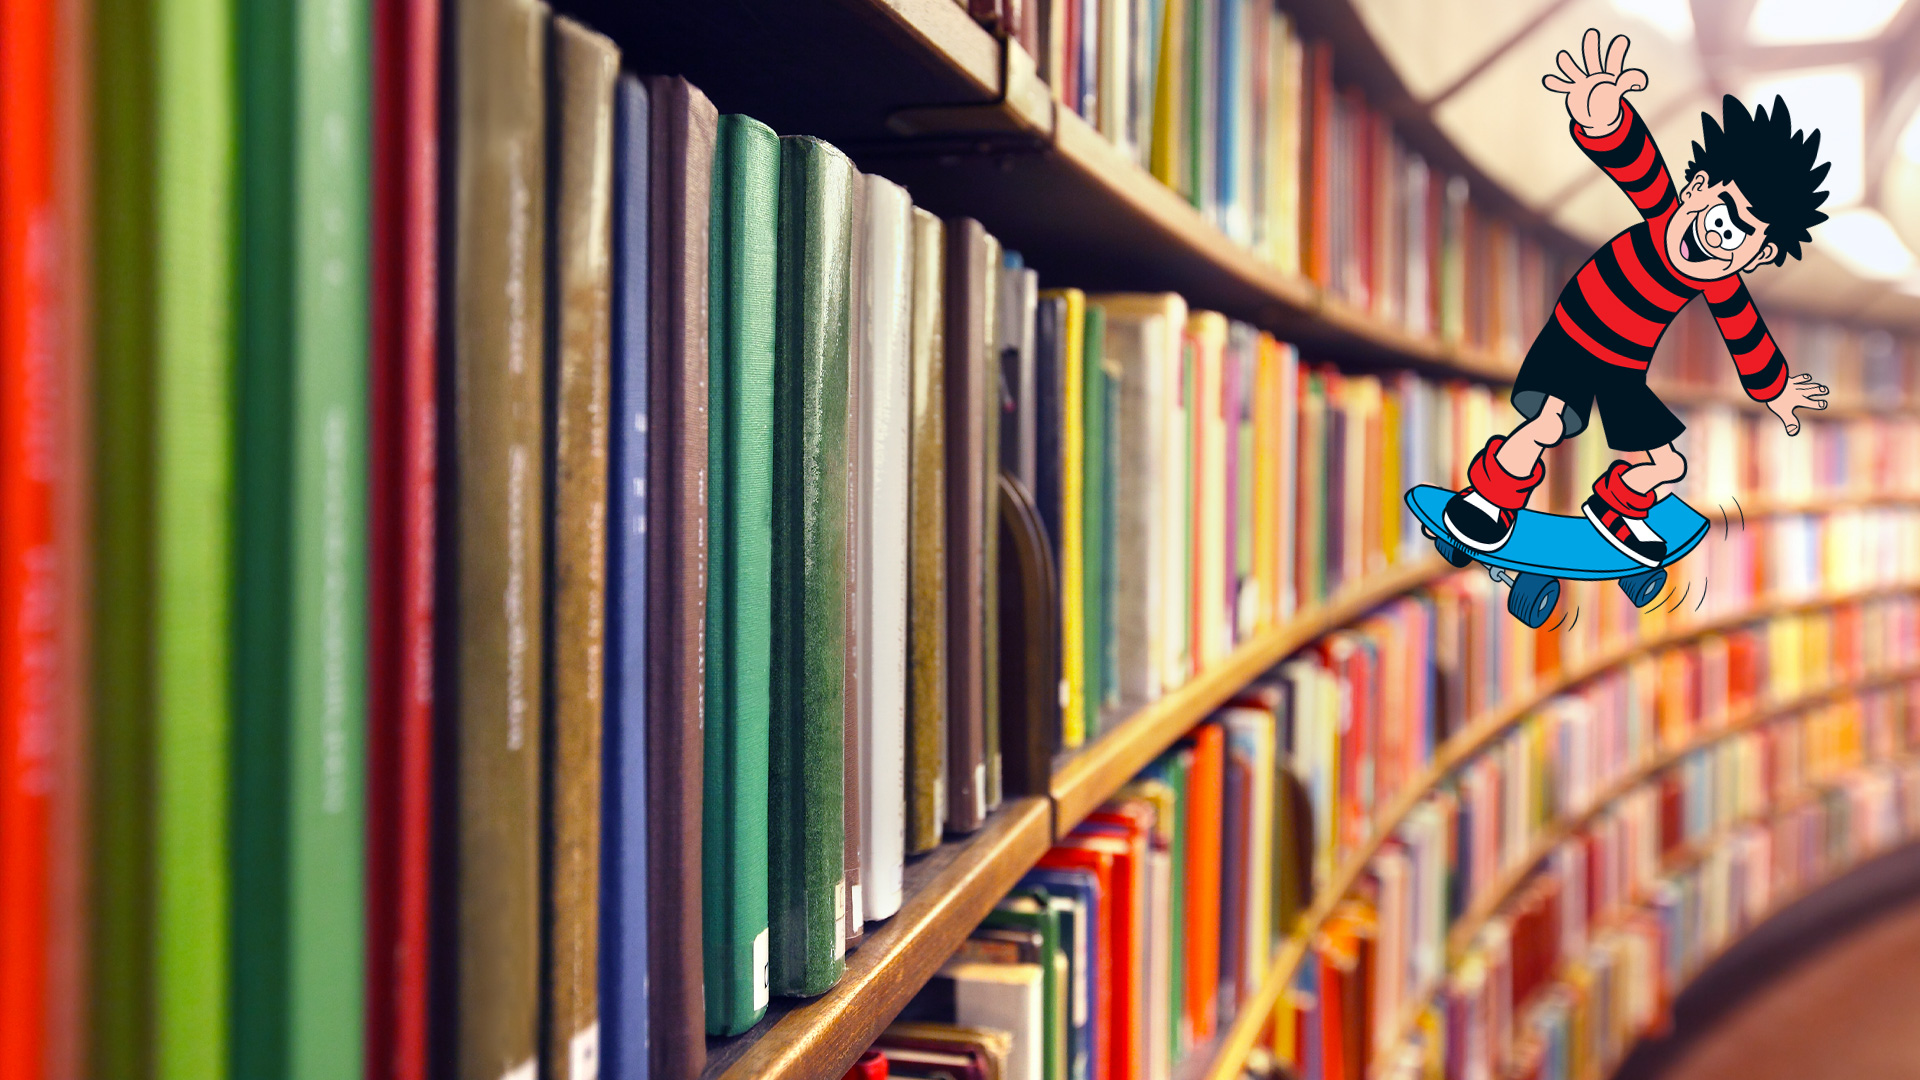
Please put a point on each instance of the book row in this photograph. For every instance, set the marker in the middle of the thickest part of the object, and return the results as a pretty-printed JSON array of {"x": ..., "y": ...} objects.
[
  {"x": 1228, "y": 104},
  {"x": 1166, "y": 905},
  {"x": 1390, "y": 988}
]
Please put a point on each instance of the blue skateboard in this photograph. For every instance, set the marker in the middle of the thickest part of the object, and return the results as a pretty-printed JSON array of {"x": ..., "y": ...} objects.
[{"x": 1547, "y": 547}]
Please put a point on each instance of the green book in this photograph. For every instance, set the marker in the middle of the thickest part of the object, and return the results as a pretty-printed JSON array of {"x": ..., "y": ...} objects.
[
  {"x": 1029, "y": 911},
  {"x": 299, "y": 611},
  {"x": 806, "y": 836},
  {"x": 1179, "y": 767},
  {"x": 1095, "y": 532},
  {"x": 740, "y": 427},
  {"x": 193, "y": 105},
  {"x": 120, "y": 977}
]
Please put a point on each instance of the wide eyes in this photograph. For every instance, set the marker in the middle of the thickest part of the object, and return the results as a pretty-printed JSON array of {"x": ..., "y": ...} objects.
[{"x": 1721, "y": 222}]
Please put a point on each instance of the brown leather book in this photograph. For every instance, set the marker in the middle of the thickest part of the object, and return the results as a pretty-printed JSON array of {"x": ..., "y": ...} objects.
[
  {"x": 580, "y": 124},
  {"x": 685, "y": 125},
  {"x": 498, "y": 397},
  {"x": 1029, "y": 642},
  {"x": 927, "y": 542},
  {"x": 972, "y": 446},
  {"x": 856, "y": 924}
]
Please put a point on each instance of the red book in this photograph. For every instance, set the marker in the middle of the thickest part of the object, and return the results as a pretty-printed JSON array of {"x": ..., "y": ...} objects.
[
  {"x": 40, "y": 553},
  {"x": 871, "y": 1066},
  {"x": 401, "y": 507},
  {"x": 1131, "y": 823},
  {"x": 1205, "y": 798}
]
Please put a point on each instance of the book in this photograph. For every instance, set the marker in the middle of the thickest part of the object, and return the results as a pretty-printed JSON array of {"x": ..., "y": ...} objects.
[
  {"x": 299, "y": 576},
  {"x": 1018, "y": 391},
  {"x": 402, "y": 507},
  {"x": 927, "y": 672},
  {"x": 625, "y": 1048},
  {"x": 853, "y": 926},
  {"x": 885, "y": 426},
  {"x": 1001, "y": 997},
  {"x": 680, "y": 161},
  {"x": 585, "y": 66},
  {"x": 806, "y": 835},
  {"x": 1097, "y": 534},
  {"x": 739, "y": 637},
  {"x": 498, "y": 406},
  {"x": 1075, "y": 708},
  {"x": 972, "y": 369},
  {"x": 44, "y": 391},
  {"x": 1203, "y": 843}
]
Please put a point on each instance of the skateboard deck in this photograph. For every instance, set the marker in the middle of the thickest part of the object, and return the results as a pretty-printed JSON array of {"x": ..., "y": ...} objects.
[{"x": 1555, "y": 545}]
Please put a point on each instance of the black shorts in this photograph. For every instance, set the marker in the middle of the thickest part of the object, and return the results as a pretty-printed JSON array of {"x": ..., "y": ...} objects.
[{"x": 1556, "y": 366}]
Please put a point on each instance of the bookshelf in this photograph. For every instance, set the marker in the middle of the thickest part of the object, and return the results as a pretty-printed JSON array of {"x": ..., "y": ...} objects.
[{"x": 924, "y": 96}]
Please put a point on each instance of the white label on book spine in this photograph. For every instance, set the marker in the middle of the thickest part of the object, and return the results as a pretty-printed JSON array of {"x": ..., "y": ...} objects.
[
  {"x": 980, "y": 789},
  {"x": 940, "y": 801},
  {"x": 762, "y": 974},
  {"x": 840, "y": 912},
  {"x": 583, "y": 1053},
  {"x": 856, "y": 914},
  {"x": 526, "y": 1070}
]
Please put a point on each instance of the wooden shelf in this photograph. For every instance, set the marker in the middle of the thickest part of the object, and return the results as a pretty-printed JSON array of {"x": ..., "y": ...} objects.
[{"x": 949, "y": 890}]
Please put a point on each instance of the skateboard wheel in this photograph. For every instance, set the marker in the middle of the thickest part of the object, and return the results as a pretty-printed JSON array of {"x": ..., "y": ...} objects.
[
  {"x": 1643, "y": 588},
  {"x": 1451, "y": 551},
  {"x": 1532, "y": 598}
]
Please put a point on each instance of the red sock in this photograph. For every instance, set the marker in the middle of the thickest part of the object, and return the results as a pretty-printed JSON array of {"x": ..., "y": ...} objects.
[
  {"x": 1496, "y": 484},
  {"x": 1615, "y": 492}
]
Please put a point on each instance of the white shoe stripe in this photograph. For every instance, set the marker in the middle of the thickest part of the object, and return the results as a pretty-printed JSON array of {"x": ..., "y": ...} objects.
[{"x": 1618, "y": 544}]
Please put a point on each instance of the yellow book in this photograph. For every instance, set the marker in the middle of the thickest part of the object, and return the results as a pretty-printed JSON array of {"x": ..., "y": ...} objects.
[
  {"x": 1266, "y": 477},
  {"x": 1073, "y": 568},
  {"x": 1213, "y": 632},
  {"x": 1164, "y": 152},
  {"x": 1289, "y": 118}
]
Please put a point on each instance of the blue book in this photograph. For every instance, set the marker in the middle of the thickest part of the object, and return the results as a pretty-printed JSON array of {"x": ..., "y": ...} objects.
[
  {"x": 1081, "y": 888},
  {"x": 1226, "y": 119},
  {"x": 623, "y": 855}
]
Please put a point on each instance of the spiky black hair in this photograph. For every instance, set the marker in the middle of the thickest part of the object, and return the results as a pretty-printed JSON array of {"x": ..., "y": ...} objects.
[{"x": 1772, "y": 163}]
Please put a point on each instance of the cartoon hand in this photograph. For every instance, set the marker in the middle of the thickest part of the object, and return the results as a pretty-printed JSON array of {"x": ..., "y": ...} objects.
[
  {"x": 1595, "y": 89},
  {"x": 1801, "y": 392}
]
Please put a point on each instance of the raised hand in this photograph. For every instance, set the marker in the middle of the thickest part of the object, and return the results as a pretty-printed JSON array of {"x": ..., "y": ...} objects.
[
  {"x": 1801, "y": 392},
  {"x": 1594, "y": 88}
]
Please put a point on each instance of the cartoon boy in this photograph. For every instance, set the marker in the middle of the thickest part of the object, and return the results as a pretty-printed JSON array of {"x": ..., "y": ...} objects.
[{"x": 1750, "y": 197}]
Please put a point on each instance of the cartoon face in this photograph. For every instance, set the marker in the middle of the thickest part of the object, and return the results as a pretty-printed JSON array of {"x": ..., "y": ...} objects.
[{"x": 1714, "y": 233}]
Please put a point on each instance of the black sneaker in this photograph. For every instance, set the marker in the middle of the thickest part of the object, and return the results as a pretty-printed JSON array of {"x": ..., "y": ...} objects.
[
  {"x": 1633, "y": 536},
  {"x": 1477, "y": 523}
]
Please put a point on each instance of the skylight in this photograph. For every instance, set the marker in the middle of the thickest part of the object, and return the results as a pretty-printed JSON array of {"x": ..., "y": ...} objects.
[
  {"x": 1796, "y": 22},
  {"x": 1866, "y": 243},
  {"x": 1833, "y": 100}
]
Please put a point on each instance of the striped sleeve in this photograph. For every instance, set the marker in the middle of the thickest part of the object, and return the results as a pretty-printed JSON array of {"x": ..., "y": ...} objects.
[
  {"x": 1628, "y": 155},
  {"x": 1763, "y": 371}
]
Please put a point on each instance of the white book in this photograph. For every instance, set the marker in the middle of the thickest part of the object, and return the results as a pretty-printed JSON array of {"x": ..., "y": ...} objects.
[
  {"x": 1004, "y": 997},
  {"x": 1160, "y": 966},
  {"x": 1136, "y": 342},
  {"x": 1174, "y": 544},
  {"x": 880, "y": 588}
]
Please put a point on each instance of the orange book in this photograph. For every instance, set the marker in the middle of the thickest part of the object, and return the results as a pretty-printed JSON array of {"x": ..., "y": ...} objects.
[{"x": 1206, "y": 785}]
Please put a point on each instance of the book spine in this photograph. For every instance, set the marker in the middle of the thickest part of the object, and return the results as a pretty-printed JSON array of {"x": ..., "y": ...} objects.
[
  {"x": 498, "y": 394},
  {"x": 927, "y": 566},
  {"x": 39, "y": 721},
  {"x": 327, "y": 676},
  {"x": 580, "y": 118},
  {"x": 853, "y": 647},
  {"x": 683, "y": 137},
  {"x": 402, "y": 499},
  {"x": 806, "y": 834},
  {"x": 967, "y": 455},
  {"x": 625, "y": 1048},
  {"x": 740, "y": 570},
  {"x": 194, "y": 117},
  {"x": 885, "y": 435},
  {"x": 122, "y": 612}
]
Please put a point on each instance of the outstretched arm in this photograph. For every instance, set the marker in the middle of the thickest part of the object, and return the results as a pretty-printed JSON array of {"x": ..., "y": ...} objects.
[
  {"x": 1607, "y": 128},
  {"x": 1763, "y": 370}
]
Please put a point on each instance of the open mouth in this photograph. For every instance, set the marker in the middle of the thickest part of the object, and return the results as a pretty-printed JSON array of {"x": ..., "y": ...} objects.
[{"x": 1688, "y": 250}]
